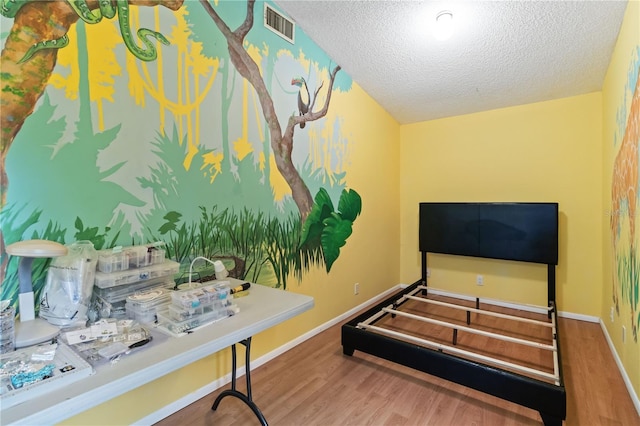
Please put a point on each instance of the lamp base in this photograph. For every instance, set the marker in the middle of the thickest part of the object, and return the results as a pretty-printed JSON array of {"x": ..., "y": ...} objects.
[{"x": 34, "y": 331}]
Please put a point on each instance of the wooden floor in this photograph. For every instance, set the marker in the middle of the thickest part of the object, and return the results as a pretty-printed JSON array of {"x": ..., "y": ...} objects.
[{"x": 315, "y": 384}]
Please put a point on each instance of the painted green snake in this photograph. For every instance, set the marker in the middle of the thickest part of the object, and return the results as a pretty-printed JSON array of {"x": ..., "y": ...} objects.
[{"x": 9, "y": 8}]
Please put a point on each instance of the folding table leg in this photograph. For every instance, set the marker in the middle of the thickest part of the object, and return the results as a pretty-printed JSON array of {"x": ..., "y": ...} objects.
[{"x": 247, "y": 399}]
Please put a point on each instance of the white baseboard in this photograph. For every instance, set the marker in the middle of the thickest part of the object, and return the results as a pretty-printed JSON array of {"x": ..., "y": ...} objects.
[
  {"x": 579, "y": 317},
  {"x": 181, "y": 403},
  {"x": 625, "y": 376}
]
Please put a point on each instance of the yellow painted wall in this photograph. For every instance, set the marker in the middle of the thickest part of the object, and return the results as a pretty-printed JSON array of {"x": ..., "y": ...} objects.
[
  {"x": 546, "y": 152},
  {"x": 613, "y": 94},
  {"x": 370, "y": 258}
]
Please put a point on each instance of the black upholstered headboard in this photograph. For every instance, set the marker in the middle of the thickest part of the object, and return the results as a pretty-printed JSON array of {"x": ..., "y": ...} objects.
[{"x": 526, "y": 232}]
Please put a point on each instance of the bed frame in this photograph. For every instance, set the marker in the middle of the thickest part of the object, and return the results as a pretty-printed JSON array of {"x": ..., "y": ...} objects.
[{"x": 548, "y": 397}]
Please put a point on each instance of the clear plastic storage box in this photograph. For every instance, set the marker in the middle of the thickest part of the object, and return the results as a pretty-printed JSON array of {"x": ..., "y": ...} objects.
[
  {"x": 166, "y": 268},
  {"x": 193, "y": 298},
  {"x": 143, "y": 306},
  {"x": 178, "y": 313},
  {"x": 178, "y": 327},
  {"x": 109, "y": 261},
  {"x": 123, "y": 258},
  {"x": 120, "y": 293},
  {"x": 193, "y": 307}
]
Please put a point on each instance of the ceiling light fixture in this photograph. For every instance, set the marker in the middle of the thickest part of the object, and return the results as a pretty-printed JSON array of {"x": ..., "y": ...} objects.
[{"x": 443, "y": 28}]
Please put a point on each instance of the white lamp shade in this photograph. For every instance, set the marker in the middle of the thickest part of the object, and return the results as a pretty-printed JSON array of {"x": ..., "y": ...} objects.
[{"x": 36, "y": 248}]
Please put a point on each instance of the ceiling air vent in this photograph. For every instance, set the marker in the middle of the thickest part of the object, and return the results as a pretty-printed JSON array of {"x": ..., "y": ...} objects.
[{"x": 280, "y": 25}]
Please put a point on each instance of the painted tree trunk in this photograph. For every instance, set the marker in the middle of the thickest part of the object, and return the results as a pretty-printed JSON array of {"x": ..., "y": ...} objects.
[{"x": 281, "y": 143}]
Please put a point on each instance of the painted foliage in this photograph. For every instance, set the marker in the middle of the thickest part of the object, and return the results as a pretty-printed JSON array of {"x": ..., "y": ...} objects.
[
  {"x": 180, "y": 121},
  {"x": 625, "y": 200}
]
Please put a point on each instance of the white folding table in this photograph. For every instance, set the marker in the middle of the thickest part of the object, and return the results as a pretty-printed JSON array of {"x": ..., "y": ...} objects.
[{"x": 262, "y": 308}]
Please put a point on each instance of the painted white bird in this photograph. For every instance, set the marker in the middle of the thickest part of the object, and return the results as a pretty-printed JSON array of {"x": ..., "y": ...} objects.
[{"x": 303, "y": 97}]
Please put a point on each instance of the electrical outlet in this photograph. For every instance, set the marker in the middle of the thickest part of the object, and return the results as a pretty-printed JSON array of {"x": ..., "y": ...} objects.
[
  {"x": 356, "y": 288},
  {"x": 624, "y": 334},
  {"x": 611, "y": 314},
  {"x": 428, "y": 273},
  {"x": 480, "y": 280}
]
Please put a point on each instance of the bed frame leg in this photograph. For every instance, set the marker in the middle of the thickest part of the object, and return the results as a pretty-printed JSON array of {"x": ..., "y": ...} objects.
[
  {"x": 550, "y": 420},
  {"x": 347, "y": 351}
]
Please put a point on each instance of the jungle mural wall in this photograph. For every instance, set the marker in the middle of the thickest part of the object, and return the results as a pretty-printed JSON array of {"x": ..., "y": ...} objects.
[
  {"x": 625, "y": 199},
  {"x": 181, "y": 121}
]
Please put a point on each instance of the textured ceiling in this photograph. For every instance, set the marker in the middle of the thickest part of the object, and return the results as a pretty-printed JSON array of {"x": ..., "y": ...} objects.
[{"x": 503, "y": 53}]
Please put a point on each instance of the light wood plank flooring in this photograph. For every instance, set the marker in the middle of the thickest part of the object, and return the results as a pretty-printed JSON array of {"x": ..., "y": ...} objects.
[{"x": 315, "y": 384}]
